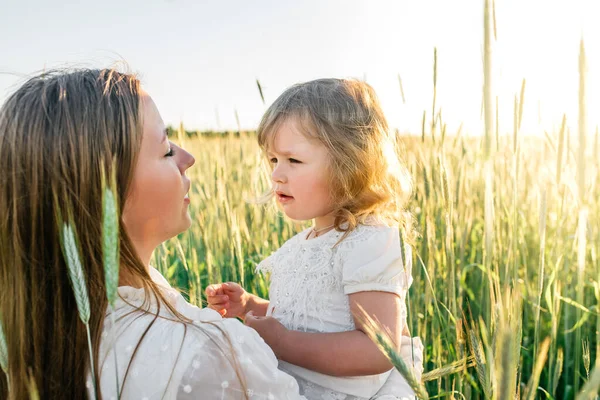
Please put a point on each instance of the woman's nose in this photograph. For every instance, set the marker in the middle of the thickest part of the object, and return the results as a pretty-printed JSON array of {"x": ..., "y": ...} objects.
[{"x": 187, "y": 160}]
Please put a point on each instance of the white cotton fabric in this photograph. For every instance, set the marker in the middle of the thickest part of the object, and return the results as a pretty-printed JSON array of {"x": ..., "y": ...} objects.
[
  {"x": 310, "y": 283},
  {"x": 185, "y": 361}
]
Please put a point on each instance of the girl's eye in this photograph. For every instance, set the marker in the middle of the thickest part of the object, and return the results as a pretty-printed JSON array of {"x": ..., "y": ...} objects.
[
  {"x": 171, "y": 153},
  {"x": 273, "y": 160},
  {"x": 294, "y": 161}
]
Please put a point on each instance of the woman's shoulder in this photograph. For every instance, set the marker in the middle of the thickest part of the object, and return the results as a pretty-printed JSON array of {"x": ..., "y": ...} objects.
[{"x": 173, "y": 357}]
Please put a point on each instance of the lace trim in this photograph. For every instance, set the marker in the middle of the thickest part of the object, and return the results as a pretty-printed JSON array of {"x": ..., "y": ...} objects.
[
  {"x": 300, "y": 283},
  {"x": 306, "y": 278}
]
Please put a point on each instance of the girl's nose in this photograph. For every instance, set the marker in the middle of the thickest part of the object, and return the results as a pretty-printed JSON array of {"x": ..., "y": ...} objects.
[{"x": 278, "y": 175}]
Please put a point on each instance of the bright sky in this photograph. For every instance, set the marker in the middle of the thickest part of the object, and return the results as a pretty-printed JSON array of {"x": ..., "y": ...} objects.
[{"x": 200, "y": 59}]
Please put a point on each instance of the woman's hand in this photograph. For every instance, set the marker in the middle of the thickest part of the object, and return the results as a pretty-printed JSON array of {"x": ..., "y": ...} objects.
[
  {"x": 228, "y": 299},
  {"x": 270, "y": 329}
]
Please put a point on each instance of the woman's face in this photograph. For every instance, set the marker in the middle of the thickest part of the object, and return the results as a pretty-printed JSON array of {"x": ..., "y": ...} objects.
[{"x": 157, "y": 206}]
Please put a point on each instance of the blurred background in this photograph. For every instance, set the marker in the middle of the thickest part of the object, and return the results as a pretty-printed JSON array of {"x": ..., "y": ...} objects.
[
  {"x": 200, "y": 59},
  {"x": 506, "y": 269}
]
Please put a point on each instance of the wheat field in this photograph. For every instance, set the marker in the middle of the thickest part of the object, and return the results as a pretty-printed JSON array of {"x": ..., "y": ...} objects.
[
  {"x": 506, "y": 269},
  {"x": 506, "y": 312},
  {"x": 506, "y": 263}
]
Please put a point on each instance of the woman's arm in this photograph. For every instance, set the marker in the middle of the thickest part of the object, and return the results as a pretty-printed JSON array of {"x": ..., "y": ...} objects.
[
  {"x": 339, "y": 354},
  {"x": 220, "y": 370}
]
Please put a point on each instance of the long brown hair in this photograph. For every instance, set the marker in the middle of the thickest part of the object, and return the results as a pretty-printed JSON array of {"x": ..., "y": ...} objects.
[
  {"x": 366, "y": 176},
  {"x": 58, "y": 133}
]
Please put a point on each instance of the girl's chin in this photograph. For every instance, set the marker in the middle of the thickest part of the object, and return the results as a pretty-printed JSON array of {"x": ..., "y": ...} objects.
[{"x": 298, "y": 217}]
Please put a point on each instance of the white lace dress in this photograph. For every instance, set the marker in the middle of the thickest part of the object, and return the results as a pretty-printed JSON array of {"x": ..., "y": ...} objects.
[
  {"x": 213, "y": 358},
  {"x": 310, "y": 283}
]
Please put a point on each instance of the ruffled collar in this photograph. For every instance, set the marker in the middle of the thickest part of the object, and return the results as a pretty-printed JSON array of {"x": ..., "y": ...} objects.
[
  {"x": 130, "y": 297},
  {"x": 136, "y": 297}
]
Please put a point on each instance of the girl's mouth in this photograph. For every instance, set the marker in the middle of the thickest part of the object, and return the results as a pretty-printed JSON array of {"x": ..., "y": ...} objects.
[{"x": 283, "y": 198}]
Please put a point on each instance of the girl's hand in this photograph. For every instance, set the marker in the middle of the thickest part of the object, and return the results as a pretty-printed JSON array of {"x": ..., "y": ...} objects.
[
  {"x": 270, "y": 329},
  {"x": 228, "y": 299}
]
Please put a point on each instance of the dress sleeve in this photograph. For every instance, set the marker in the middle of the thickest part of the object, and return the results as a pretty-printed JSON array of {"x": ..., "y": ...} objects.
[
  {"x": 266, "y": 265},
  {"x": 231, "y": 361},
  {"x": 373, "y": 261}
]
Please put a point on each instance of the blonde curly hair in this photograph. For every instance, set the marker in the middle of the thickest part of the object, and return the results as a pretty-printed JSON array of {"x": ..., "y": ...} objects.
[{"x": 367, "y": 179}]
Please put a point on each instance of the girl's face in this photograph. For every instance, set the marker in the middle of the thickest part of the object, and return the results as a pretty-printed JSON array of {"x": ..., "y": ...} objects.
[
  {"x": 157, "y": 206},
  {"x": 299, "y": 176}
]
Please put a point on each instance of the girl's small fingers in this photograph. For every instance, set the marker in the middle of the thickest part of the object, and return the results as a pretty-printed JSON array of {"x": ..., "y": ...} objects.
[
  {"x": 218, "y": 298},
  {"x": 214, "y": 289},
  {"x": 232, "y": 290},
  {"x": 219, "y": 306},
  {"x": 221, "y": 312},
  {"x": 211, "y": 302},
  {"x": 217, "y": 303}
]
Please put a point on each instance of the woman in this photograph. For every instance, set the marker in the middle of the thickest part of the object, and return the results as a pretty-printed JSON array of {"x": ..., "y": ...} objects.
[{"x": 58, "y": 134}]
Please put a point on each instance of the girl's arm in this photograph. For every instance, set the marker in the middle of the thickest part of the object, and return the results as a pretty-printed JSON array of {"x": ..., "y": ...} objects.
[
  {"x": 257, "y": 305},
  {"x": 339, "y": 354},
  {"x": 232, "y": 301}
]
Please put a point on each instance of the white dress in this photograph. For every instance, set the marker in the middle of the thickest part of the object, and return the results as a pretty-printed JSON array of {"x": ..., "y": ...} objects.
[
  {"x": 186, "y": 361},
  {"x": 310, "y": 283}
]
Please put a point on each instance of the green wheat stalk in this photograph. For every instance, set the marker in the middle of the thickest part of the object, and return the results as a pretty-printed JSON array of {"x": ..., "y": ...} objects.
[
  {"x": 4, "y": 354},
  {"x": 110, "y": 244},
  {"x": 540, "y": 360},
  {"x": 433, "y": 120},
  {"x": 381, "y": 336},
  {"x": 508, "y": 344},
  {"x": 110, "y": 252},
  {"x": 558, "y": 370},
  {"x": 480, "y": 362},
  {"x": 260, "y": 91},
  {"x": 586, "y": 357},
  {"x": 583, "y": 212},
  {"x": 34, "y": 394},
  {"x": 542, "y": 259},
  {"x": 452, "y": 368},
  {"x": 401, "y": 89},
  {"x": 77, "y": 278},
  {"x": 488, "y": 160},
  {"x": 589, "y": 390}
]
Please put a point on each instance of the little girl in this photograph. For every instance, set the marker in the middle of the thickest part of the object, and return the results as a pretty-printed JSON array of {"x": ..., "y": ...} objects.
[{"x": 334, "y": 161}]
